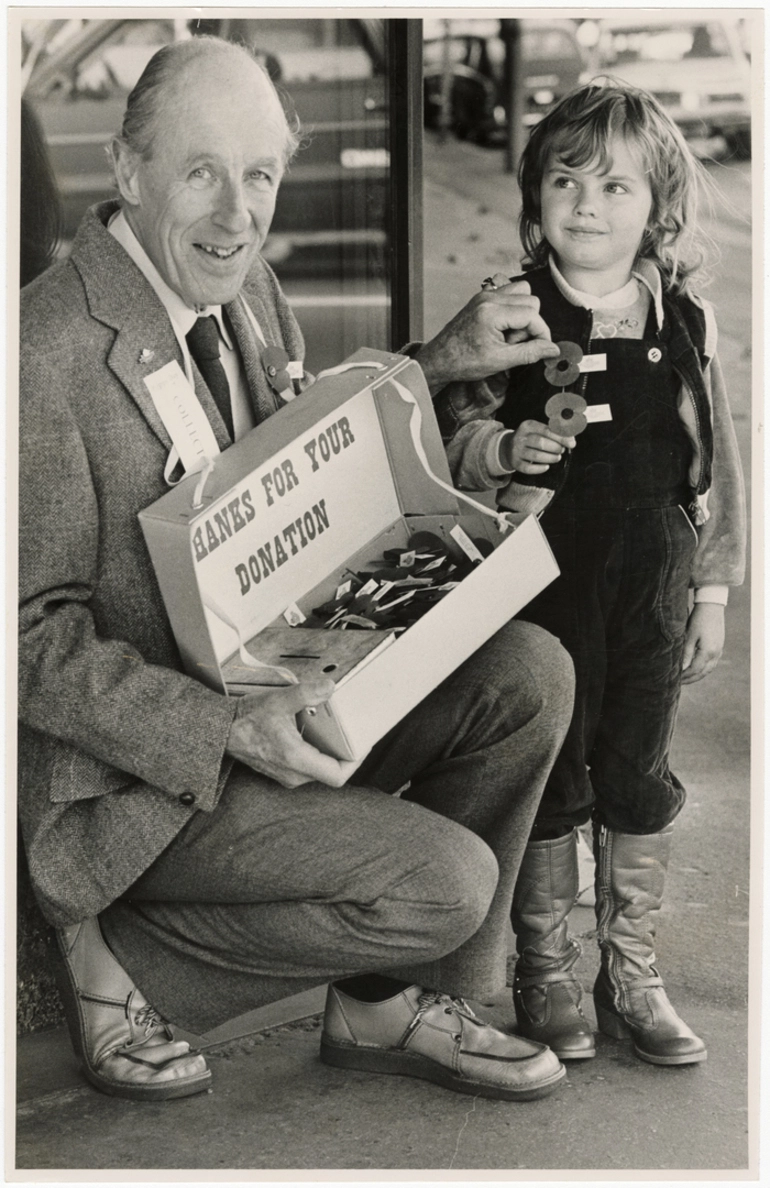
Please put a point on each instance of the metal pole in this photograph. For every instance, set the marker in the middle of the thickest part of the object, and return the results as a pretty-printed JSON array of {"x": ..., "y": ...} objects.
[
  {"x": 445, "y": 108},
  {"x": 514, "y": 94}
]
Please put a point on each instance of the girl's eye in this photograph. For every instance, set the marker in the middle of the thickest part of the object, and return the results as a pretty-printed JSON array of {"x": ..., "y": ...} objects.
[
  {"x": 565, "y": 183},
  {"x": 616, "y": 188}
]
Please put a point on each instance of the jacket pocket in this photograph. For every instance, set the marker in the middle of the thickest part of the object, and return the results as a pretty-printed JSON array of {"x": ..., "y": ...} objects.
[{"x": 689, "y": 523}]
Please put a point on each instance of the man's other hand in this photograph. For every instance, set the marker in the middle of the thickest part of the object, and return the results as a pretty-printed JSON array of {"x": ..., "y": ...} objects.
[
  {"x": 498, "y": 328},
  {"x": 265, "y": 736}
]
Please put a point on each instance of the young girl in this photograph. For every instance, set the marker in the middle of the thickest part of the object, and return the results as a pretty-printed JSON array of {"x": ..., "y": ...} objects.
[{"x": 635, "y": 473}]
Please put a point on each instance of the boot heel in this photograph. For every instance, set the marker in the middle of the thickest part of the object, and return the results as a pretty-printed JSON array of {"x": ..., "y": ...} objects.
[{"x": 611, "y": 1024}]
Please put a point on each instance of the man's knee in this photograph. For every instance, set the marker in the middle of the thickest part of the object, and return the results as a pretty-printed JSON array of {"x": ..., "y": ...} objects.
[
  {"x": 535, "y": 674},
  {"x": 465, "y": 874}
]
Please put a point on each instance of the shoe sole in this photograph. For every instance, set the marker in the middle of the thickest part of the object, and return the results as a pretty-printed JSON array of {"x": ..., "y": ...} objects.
[
  {"x": 409, "y": 1064},
  {"x": 165, "y": 1091}
]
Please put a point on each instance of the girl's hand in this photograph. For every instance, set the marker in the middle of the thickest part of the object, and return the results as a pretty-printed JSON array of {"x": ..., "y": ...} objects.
[
  {"x": 532, "y": 448},
  {"x": 704, "y": 641}
]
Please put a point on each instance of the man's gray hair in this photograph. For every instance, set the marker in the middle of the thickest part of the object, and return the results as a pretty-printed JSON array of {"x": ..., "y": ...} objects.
[{"x": 145, "y": 103}]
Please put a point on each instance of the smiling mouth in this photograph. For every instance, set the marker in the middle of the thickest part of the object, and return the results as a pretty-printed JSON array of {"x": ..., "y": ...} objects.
[{"x": 219, "y": 253}]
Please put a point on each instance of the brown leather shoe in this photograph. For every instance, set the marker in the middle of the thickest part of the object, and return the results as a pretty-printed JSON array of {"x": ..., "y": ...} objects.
[
  {"x": 422, "y": 1033},
  {"x": 125, "y": 1048}
]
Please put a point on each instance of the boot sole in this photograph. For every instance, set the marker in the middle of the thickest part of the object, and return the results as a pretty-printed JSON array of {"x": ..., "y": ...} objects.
[
  {"x": 616, "y": 1028},
  {"x": 588, "y": 1054},
  {"x": 408, "y": 1064},
  {"x": 164, "y": 1091}
]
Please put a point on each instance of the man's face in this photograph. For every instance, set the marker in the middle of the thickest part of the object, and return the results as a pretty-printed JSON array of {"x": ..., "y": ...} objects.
[{"x": 202, "y": 204}]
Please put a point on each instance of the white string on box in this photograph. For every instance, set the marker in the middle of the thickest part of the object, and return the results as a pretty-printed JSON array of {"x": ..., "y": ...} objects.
[
  {"x": 343, "y": 367},
  {"x": 415, "y": 428},
  {"x": 247, "y": 659}
]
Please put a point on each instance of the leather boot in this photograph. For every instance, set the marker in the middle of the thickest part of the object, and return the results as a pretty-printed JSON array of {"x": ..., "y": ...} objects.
[
  {"x": 546, "y": 995},
  {"x": 629, "y": 996},
  {"x": 126, "y": 1049}
]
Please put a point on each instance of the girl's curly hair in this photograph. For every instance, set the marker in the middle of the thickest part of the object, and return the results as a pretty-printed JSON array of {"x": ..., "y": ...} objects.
[{"x": 580, "y": 130}]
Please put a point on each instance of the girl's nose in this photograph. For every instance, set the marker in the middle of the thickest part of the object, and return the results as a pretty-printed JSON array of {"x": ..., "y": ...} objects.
[{"x": 585, "y": 203}]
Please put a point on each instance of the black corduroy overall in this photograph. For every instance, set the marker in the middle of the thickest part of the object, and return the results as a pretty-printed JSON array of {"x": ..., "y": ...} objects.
[{"x": 620, "y": 530}]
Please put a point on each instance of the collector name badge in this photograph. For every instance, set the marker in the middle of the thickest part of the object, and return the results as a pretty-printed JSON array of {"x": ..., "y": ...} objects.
[{"x": 182, "y": 415}]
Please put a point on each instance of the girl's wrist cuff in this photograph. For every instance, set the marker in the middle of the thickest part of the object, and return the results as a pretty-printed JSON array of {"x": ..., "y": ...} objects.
[{"x": 716, "y": 594}]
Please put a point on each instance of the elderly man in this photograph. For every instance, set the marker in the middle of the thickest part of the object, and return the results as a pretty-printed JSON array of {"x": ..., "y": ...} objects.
[{"x": 197, "y": 856}]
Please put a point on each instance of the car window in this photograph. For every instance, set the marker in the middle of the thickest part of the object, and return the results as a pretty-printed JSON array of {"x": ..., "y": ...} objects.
[
  {"x": 548, "y": 43},
  {"x": 675, "y": 43}
]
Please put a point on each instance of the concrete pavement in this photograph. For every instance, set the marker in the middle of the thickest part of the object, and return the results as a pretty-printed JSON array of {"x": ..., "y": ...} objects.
[{"x": 274, "y": 1106}]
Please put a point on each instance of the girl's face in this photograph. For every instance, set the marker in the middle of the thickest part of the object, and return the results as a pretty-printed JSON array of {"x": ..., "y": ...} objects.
[{"x": 594, "y": 218}]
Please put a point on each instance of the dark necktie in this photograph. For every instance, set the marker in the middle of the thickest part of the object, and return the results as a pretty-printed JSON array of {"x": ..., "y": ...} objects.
[{"x": 203, "y": 341}]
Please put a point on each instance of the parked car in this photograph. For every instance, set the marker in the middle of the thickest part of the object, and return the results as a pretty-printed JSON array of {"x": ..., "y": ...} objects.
[
  {"x": 696, "y": 67},
  {"x": 473, "y": 52},
  {"x": 331, "y": 215}
]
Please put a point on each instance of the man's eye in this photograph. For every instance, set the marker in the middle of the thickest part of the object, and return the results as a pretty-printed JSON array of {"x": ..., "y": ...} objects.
[
  {"x": 261, "y": 175},
  {"x": 202, "y": 173}
]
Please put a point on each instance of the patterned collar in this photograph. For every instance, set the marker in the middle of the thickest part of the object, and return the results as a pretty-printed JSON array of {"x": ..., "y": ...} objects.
[{"x": 644, "y": 271}]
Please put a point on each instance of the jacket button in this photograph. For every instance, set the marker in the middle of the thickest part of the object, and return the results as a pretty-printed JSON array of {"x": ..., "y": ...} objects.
[
  {"x": 654, "y": 355},
  {"x": 187, "y": 798}
]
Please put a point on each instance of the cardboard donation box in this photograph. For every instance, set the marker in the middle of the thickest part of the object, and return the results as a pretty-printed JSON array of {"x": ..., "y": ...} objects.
[{"x": 294, "y": 517}]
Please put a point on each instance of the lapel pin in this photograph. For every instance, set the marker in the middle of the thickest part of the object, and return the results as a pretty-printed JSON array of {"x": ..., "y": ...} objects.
[
  {"x": 275, "y": 362},
  {"x": 145, "y": 355}
]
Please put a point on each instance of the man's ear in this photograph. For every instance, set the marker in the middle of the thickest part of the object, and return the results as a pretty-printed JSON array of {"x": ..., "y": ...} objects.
[{"x": 125, "y": 163}]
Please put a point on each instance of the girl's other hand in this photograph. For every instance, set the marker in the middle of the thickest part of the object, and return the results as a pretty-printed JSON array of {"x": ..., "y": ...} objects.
[
  {"x": 704, "y": 641},
  {"x": 532, "y": 448}
]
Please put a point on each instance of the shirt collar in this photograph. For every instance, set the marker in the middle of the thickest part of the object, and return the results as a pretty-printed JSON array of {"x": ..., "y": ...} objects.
[
  {"x": 644, "y": 271},
  {"x": 182, "y": 317}
]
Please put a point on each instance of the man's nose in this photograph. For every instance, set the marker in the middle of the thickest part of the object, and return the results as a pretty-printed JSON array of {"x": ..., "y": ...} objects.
[{"x": 232, "y": 210}]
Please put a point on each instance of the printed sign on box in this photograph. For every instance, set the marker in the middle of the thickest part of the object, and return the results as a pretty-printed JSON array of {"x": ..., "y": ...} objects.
[{"x": 353, "y": 466}]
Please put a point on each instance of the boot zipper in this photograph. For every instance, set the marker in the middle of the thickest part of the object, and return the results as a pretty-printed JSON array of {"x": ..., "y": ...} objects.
[{"x": 605, "y": 916}]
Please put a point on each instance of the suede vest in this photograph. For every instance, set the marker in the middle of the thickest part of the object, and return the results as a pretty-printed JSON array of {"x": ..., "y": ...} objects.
[{"x": 641, "y": 457}]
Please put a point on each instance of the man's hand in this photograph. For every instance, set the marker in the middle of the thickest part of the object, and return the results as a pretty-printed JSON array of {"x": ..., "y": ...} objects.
[
  {"x": 498, "y": 328},
  {"x": 533, "y": 448},
  {"x": 704, "y": 641},
  {"x": 265, "y": 737}
]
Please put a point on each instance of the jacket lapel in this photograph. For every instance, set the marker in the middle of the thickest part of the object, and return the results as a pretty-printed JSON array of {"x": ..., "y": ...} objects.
[{"x": 263, "y": 399}]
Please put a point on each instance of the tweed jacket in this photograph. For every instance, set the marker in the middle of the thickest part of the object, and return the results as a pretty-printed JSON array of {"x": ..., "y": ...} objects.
[{"x": 118, "y": 747}]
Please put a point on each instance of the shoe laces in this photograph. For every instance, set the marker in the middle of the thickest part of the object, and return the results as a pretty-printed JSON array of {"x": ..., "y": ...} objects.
[
  {"x": 452, "y": 1004},
  {"x": 148, "y": 1018}
]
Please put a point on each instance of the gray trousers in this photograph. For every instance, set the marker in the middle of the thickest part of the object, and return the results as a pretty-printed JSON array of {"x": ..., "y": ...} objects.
[{"x": 278, "y": 890}]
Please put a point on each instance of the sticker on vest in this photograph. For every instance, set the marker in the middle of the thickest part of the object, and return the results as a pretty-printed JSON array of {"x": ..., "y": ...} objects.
[
  {"x": 182, "y": 415},
  {"x": 597, "y": 412},
  {"x": 593, "y": 363}
]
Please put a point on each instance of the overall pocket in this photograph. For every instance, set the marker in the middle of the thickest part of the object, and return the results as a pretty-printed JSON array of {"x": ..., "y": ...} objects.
[{"x": 681, "y": 540}]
